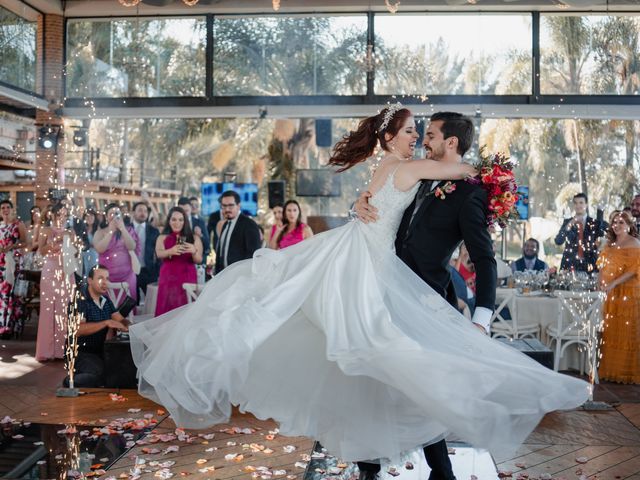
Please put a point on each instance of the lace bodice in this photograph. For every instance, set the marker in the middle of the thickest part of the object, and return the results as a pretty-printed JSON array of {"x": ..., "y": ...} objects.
[{"x": 391, "y": 204}]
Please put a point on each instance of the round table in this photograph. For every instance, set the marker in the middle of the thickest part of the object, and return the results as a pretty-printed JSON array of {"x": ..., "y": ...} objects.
[{"x": 549, "y": 310}]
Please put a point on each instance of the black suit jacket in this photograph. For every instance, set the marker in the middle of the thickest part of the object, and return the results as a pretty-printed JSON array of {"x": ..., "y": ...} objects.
[
  {"x": 206, "y": 240},
  {"x": 245, "y": 239},
  {"x": 150, "y": 259},
  {"x": 438, "y": 228},
  {"x": 593, "y": 229}
]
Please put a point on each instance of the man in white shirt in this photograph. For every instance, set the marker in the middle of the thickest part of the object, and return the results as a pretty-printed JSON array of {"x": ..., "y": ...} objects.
[
  {"x": 239, "y": 235},
  {"x": 581, "y": 233}
]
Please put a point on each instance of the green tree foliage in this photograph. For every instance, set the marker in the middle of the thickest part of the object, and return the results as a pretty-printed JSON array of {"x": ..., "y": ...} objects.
[{"x": 18, "y": 47}]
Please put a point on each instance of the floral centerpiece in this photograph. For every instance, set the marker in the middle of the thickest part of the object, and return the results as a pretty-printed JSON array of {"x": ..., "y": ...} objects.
[{"x": 497, "y": 178}]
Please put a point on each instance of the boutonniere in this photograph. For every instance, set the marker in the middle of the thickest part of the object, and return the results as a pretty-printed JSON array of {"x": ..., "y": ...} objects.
[{"x": 446, "y": 189}]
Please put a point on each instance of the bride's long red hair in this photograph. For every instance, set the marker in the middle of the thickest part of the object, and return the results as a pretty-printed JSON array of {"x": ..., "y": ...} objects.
[{"x": 358, "y": 145}]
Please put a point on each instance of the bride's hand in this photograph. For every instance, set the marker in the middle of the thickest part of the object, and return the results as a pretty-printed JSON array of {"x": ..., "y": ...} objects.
[{"x": 366, "y": 213}]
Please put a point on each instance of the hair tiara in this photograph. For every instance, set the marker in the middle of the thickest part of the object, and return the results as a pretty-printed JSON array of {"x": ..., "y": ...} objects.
[{"x": 391, "y": 110}]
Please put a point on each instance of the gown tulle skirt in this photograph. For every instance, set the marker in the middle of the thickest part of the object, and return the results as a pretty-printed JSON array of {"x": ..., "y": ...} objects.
[{"x": 338, "y": 340}]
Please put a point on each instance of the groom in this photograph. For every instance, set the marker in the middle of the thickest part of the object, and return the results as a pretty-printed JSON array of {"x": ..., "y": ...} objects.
[{"x": 431, "y": 229}]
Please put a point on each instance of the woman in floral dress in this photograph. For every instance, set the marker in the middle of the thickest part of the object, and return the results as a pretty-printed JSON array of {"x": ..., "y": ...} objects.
[{"x": 13, "y": 235}]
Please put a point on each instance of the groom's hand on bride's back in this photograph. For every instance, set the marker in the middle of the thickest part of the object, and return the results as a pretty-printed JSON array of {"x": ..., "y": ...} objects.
[{"x": 366, "y": 213}]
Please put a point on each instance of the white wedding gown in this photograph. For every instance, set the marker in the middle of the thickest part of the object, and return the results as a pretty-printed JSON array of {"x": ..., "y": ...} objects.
[{"x": 337, "y": 339}]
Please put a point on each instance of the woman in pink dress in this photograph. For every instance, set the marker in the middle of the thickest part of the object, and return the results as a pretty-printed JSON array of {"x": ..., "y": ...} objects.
[
  {"x": 180, "y": 252},
  {"x": 113, "y": 242},
  {"x": 293, "y": 230},
  {"x": 277, "y": 211},
  {"x": 55, "y": 287}
]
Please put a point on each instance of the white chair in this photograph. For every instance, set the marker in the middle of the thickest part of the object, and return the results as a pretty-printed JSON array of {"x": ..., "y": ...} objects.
[
  {"x": 513, "y": 328},
  {"x": 117, "y": 291},
  {"x": 585, "y": 315},
  {"x": 192, "y": 290}
]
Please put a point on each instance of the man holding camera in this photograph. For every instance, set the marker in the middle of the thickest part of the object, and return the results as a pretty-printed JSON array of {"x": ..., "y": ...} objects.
[{"x": 581, "y": 233}]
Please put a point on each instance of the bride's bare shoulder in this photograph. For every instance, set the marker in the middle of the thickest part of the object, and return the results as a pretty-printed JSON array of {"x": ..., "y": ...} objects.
[{"x": 381, "y": 174}]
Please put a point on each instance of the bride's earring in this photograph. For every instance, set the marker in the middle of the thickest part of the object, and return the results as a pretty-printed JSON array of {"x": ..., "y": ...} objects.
[{"x": 392, "y": 145}]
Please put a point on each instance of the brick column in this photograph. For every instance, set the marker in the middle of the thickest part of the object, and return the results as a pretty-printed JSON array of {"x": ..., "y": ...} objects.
[{"x": 49, "y": 80}]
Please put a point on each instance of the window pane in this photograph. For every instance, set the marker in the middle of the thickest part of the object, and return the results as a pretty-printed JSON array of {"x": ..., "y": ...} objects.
[
  {"x": 453, "y": 54},
  {"x": 590, "y": 55},
  {"x": 18, "y": 47},
  {"x": 290, "y": 55},
  {"x": 136, "y": 58}
]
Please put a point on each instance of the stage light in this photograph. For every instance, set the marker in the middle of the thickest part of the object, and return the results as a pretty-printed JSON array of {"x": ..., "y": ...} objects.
[
  {"x": 48, "y": 137},
  {"x": 80, "y": 137}
]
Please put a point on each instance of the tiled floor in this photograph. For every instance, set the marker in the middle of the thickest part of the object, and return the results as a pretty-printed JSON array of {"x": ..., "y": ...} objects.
[{"x": 579, "y": 444}]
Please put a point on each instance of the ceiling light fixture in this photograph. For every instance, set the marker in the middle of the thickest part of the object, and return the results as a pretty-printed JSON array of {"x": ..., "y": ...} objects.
[
  {"x": 392, "y": 7},
  {"x": 133, "y": 3}
]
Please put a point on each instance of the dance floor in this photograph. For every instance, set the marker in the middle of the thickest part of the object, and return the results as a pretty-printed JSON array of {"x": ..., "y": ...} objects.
[{"x": 145, "y": 443}]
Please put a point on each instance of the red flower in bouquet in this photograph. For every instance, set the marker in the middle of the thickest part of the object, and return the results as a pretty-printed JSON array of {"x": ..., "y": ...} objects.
[{"x": 497, "y": 178}]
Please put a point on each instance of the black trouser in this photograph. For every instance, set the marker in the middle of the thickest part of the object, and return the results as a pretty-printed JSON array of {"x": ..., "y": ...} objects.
[
  {"x": 437, "y": 456},
  {"x": 89, "y": 371},
  {"x": 144, "y": 278}
]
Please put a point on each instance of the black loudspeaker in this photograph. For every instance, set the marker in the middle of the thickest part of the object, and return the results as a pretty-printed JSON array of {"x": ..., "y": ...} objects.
[
  {"x": 119, "y": 369},
  {"x": 276, "y": 189},
  {"x": 323, "y": 132}
]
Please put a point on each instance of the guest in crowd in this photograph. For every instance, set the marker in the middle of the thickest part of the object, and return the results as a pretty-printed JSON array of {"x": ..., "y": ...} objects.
[
  {"x": 529, "y": 259},
  {"x": 619, "y": 276},
  {"x": 635, "y": 210},
  {"x": 31, "y": 260},
  {"x": 581, "y": 233},
  {"x": 91, "y": 222},
  {"x": 466, "y": 268},
  {"x": 99, "y": 315},
  {"x": 197, "y": 226},
  {"x": 147, "y": 236},
  {"x": 293, "y": 230},
  {"x": 34, "y": 228},
  {"x": 212, "y": 224},
  {"x": 155, "y": 218},
  {"x": 466, "y": 297},
  {"x": 180, "y": 251},
  {"x": 239, "y": 235},
  {"x": 55, "y": 286},
  {"x": 278, "y": 213},
  {"x": 118, "y": 246},
  {"x": 13, "y": 237},
  {"x": 195, "y": 207}
]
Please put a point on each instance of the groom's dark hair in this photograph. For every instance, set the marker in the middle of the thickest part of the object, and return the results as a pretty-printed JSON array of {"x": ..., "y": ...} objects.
[{"x": 456, "y": 125}]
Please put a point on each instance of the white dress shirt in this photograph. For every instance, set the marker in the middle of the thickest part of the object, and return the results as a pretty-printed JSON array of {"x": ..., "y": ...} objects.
[
  {"x": 141, "y": 231},
  {"x": 225, "y": 239}
]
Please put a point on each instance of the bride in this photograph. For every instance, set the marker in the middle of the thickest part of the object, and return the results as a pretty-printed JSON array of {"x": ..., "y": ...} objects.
[{"x": 337, "y": 339}]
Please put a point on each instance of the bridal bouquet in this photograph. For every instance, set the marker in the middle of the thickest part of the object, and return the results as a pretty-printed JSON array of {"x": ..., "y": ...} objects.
[{"x": 497, "y": 178}]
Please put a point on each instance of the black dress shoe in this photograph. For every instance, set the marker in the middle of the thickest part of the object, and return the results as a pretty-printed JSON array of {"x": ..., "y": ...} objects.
[{"x": 368, "y": 475}]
